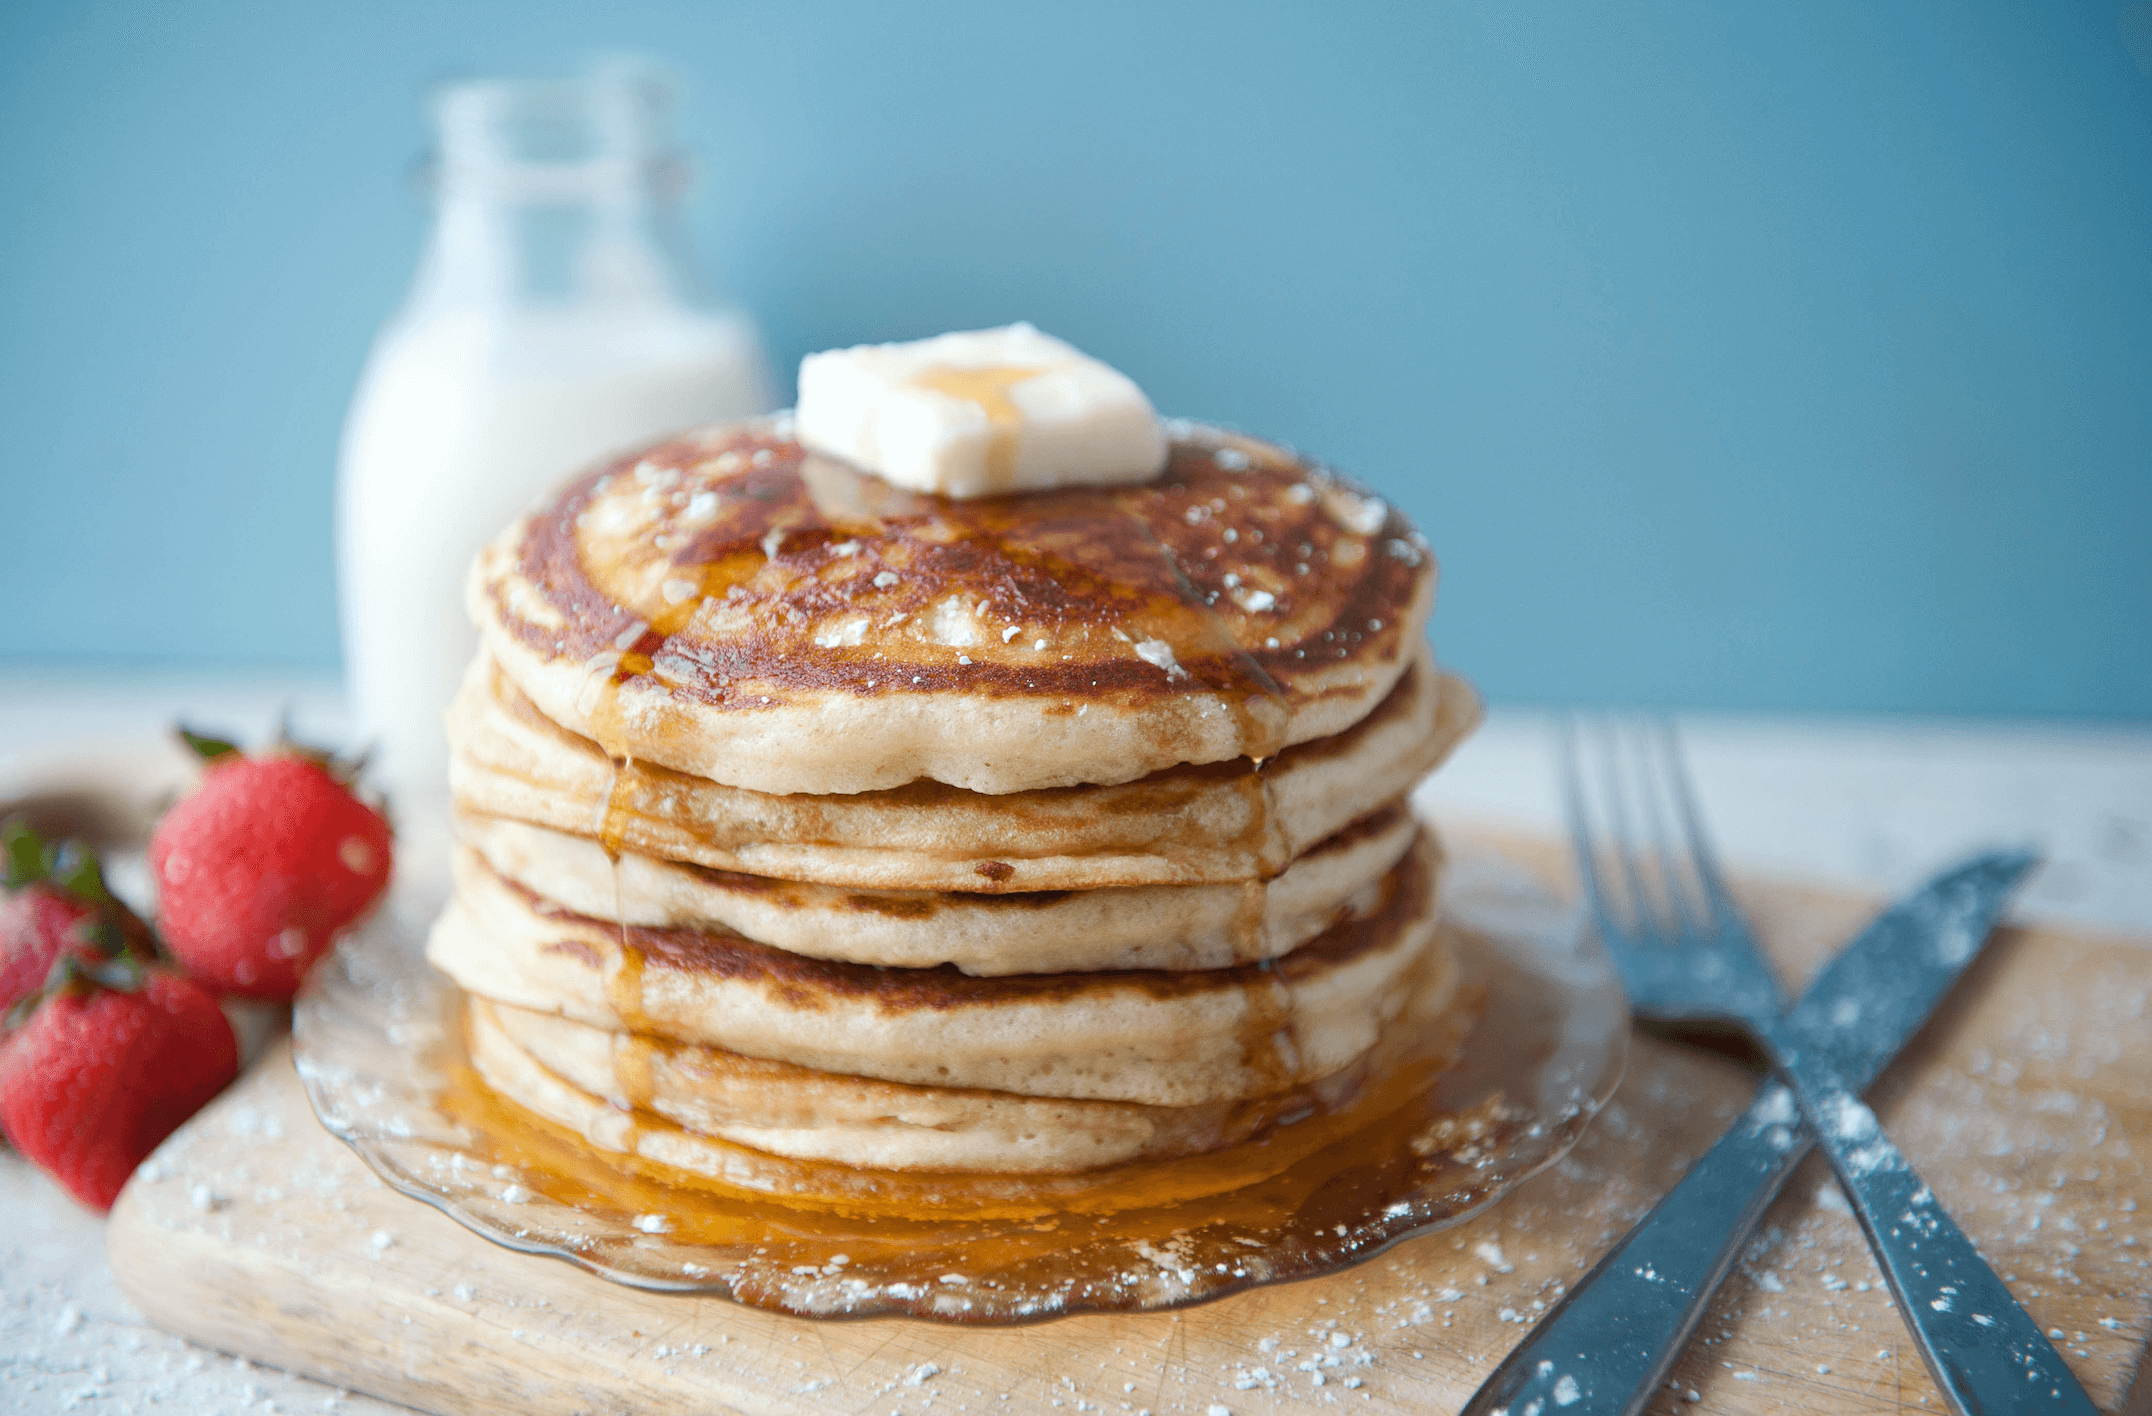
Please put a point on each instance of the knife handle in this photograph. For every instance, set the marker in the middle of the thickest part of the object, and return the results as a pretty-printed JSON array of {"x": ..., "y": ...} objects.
[
  {"x": 1981, "y": 1346},
  {"x": 1609, "y": 1342}
]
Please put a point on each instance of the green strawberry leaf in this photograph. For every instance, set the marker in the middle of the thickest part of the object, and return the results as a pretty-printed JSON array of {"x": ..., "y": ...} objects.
[
  {"x": 208, "y": 748},
  {"x": 73, "y": 867},
  {"x": 25, "y": 853}
]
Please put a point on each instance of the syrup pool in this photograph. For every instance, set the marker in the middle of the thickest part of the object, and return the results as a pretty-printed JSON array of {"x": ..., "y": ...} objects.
[{"x": 1495, "y": 1089}]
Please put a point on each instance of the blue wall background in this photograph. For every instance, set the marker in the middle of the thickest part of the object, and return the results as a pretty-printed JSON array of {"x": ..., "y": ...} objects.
[{"x": 1788, "y": 356}]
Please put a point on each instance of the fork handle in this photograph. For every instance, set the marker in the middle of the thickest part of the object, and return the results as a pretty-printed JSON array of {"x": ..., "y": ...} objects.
[
  {"x": 1980, "y": 1344},
  {"x": 1606, "y": 1346}
]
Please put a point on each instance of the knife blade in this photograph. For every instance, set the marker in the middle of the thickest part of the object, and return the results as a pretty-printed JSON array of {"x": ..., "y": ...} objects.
[
  {"x": 1880, "y": 988},
  {"x": 1984, "y": 1350},
  {"x": 1608, "y": 1343}
]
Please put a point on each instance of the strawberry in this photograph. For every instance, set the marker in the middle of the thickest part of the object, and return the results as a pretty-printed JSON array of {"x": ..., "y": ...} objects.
[
  {"x": 54, "y": 898},
  {"x": 113, "y": 1059},
  {"x": 36, "y": 923},
  {"x": 261, "y": 867}
]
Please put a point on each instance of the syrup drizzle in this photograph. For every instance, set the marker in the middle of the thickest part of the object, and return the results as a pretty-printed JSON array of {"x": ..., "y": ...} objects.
[
  {"x": 634, "y": 1074},
  {"x": 1401, "y": 1150},
  {"x": 745, "y": 542},
  {"x": 1283, "y": 1188},
  {"x": 624, "y": 983},
  {"x": 987, "y": 389}
]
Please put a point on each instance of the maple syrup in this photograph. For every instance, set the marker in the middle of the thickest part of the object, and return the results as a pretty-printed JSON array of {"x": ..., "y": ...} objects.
[
  {"x": 988, "y": 390},
  {"x": 724, "y": 572},
  {"x": 1430, "y": 1136},
  {"x": 1410, "y": 1144}
]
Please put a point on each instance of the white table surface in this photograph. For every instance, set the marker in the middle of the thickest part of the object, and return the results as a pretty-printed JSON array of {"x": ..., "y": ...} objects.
[{"x": 1873, "y": 804}]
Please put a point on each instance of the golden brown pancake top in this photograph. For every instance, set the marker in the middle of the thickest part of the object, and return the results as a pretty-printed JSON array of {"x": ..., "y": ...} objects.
[{"x": 731, "y": 565}]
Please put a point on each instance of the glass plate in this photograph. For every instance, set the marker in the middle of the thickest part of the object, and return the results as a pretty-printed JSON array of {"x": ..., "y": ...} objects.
[{"x": 378, "y": 1043}]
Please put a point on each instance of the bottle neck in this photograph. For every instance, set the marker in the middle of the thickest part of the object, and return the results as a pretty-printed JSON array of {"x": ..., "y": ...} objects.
[
  {"x": 556, "y": 193},
  {"x": 615, "y": 248}
]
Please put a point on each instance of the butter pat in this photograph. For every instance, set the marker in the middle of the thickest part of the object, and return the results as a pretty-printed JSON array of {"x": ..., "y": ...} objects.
[{"x": 978, "y": 413}]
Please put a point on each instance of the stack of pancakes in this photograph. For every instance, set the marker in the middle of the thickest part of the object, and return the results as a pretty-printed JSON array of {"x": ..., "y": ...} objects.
[{"x": 1028, "y": 834}]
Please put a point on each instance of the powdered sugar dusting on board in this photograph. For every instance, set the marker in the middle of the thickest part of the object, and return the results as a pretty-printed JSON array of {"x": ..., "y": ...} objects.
[{"x": 2012, "y": 1134}]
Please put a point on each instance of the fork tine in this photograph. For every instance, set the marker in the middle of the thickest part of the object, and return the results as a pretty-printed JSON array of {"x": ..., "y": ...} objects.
[
  {"x": 1582, "y": 842},
  {"x": 1724, "y": 913},
  {"x": 1688, "y": 905},
  {"x": 1647, "y": 921}
]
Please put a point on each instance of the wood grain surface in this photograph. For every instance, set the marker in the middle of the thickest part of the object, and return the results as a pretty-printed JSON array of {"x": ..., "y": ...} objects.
[{"x": 2027, "y": 1104}]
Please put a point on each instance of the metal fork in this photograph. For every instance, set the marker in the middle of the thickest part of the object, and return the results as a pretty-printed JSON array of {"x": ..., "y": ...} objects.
[{"x": 1686, "y": 954}]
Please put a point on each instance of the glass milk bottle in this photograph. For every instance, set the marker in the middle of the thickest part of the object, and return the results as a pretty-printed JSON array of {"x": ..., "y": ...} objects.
[{"x": 554, "y": 319}]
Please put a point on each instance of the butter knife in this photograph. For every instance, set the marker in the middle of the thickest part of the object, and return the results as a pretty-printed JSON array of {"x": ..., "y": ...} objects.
[{"x": 1606, "y": 1346}]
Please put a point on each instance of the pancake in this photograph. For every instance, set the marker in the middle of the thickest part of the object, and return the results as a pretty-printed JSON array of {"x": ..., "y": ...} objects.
[
  {"x": 1152, "y": 1036},
  {"x": 808, "y": 1115},
  {"x": 1223, "y": 822},
  {"x": 1138, "y": 927},
  {"x": 826, "y": 1118},
  {"x": 731, "y": 607}
]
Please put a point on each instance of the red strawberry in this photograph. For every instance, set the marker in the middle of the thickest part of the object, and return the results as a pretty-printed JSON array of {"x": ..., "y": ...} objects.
[
  {"x": 260, "y": 868},
  {"x": 36, "y": 922},
  {"x": 54, "y": 898},
  {"x": 100, "y": 1075}
]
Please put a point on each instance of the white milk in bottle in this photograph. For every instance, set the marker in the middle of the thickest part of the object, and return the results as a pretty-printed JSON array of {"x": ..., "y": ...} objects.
[{"x": 553, "y": 320}]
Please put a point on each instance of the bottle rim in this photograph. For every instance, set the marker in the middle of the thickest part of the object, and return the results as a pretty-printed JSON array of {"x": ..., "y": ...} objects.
[{"x": 556, "y": 138}]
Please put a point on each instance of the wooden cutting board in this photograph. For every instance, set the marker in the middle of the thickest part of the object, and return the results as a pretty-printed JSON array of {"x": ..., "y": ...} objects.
[{"x": 2027, "y": 1104}]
